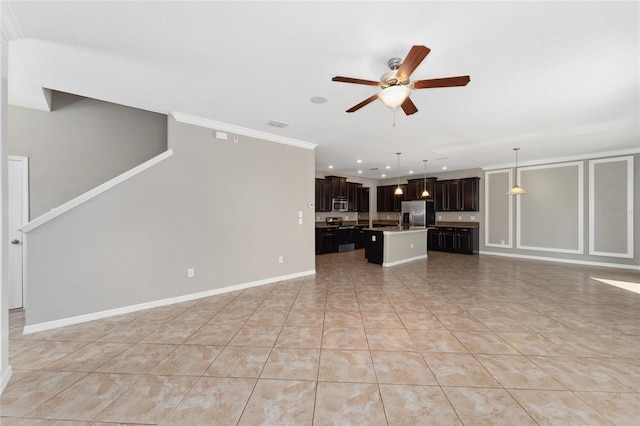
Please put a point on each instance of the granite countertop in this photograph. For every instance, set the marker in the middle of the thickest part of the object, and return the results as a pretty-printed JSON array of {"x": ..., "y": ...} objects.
[
  {"x": 459, "y": 224},
  {"x": 395, "y": 229}
]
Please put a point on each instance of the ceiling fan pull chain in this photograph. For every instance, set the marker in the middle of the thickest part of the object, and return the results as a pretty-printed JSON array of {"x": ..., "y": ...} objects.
[{"x": 394, "y": 117}]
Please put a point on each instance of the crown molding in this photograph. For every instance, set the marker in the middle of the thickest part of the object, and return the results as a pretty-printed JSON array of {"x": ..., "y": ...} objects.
[
  {"x": 10, "y": 27},
  {"x": 579, "y": 157},
  {"x": 230, "y": 128}
]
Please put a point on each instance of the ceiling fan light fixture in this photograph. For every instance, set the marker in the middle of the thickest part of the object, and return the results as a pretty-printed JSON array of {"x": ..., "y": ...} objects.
[{"x": 394, "y": 96}]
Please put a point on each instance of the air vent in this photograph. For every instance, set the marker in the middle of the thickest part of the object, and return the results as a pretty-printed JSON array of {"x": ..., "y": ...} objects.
[
  {"x": 375, "y": 168},
  {"x": 278, "y": 124}
]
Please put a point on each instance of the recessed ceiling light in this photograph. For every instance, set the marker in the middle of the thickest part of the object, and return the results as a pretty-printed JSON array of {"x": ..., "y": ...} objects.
[
  {"x": 359, "y": 171},
  {"x": 319, "y": 100},
  {"x": 410, "y": 172},
  {"x": 444, "y": 167},
  {"x": 384, "y": 175},
  {"x": 331, "y": 167},
  {"x": 358, "y": 161},
  {"x": 388, "y": 167}
]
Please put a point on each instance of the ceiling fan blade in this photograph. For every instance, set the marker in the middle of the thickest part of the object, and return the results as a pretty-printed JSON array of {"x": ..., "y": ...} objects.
[
  {"x": 363, "y": 103},
  {"x": 442, "y": 82},
  {"x": 409, "y": 107},
  {"x": 355, "y": 81},
  {"x": 415, "y": 56}
]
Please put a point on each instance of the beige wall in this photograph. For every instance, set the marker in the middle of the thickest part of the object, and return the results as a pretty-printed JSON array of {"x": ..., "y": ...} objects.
[
  {"x": 197, "y": 209},
  {"x": 81, "y": 144},
  {"x": 580, "y": 211}
]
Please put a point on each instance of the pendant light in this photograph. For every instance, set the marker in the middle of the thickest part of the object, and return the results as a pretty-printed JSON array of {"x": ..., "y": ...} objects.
[
  {"x": 398, "y": 189},
  {"x": 425, "y": 193},
  {"x": 515, "y": 189}
]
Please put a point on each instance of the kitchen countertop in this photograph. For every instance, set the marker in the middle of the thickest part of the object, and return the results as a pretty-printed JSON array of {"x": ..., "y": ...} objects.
[
  {"x": 395, "y": 229},
  {"x": 459, "y": 224}
]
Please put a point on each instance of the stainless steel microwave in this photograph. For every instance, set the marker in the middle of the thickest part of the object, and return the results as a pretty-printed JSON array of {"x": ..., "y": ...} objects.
[{"x": 339, "y": 205}]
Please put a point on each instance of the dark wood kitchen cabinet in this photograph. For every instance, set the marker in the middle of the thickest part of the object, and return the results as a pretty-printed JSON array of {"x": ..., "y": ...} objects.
[
  {"x": 353, "y": 191},
  {"x": 323, "y": 195},
  {"x": 326, "y": 240},
  {"x": 470, "y": 194},
  {"x": 415, "y": 187},
  {"x": 388, "y": 201},
  {"x": 453, "y": 239},
  {"x": 363, "y": 199},
  {"x": 338, "y": 186},
  {"x": 447, "y": 195},
  {"x": 457, "y": 194}
]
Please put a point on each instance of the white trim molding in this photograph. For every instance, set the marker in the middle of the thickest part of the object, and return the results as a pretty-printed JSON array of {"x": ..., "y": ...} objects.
[
  {"x": 562, "y": 260},
  {"x": 616, "y": 153},
  {"x": 11, "y": 29},
  {"x": 41, "y": 220},
  {"x": 487, "y": 206},
  {"x": 49, "y": 325},
  {"x": 217, "y": 125},
  {"x": 580, "y": 210},
  {"x": 629, "y": 211}
]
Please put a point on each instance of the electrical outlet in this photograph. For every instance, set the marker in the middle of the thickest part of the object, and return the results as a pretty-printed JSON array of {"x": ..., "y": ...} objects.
[
  {"x": 191, "y": 273},
  {"x": 459, "y": 217},
  {"x": 502, "y": 242},
  {"x": 411, "y": 245},
  {"x": 299, "y": 221},
  {"x": 280, "y": 259},
  {"x": 299, "y": 214},
  {"x": 473, "y": 218},
  {"x": 439, "y": 217}
]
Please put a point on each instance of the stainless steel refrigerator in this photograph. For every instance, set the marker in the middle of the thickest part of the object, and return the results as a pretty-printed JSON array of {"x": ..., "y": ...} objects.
[{"x": 418, "y": 214}]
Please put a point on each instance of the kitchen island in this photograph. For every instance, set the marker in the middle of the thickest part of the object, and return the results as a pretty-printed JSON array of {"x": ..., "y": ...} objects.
[{"x": 394, "y": 245}]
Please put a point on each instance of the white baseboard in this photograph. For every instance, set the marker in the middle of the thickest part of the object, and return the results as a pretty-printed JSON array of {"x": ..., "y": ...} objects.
[
  {"x": 5, "y": 376},
  {"x": 562, "y": 260},
  {"x": 399, "y": 262},
  {"x": 34, "y": 328}
]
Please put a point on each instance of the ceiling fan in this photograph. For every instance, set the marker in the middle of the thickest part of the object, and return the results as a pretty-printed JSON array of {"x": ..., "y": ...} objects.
[{"x": 396, "y": 85}]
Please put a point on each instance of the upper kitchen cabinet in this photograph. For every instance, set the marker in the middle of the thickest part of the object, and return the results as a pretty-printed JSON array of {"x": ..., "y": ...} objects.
[
  {"x": 457, "y": 194},
  {"x": 447, "y": 195},
  {"x": 470, "y": 194},
  {"x": 353, "y": 196},
  {"x": 338, "y": 186},
  {"x": 388, "y": 201},
  {"x": 323, "y": 195},
  {"x": 415, "y": 187},
  {"x": 363, "y": 199}
]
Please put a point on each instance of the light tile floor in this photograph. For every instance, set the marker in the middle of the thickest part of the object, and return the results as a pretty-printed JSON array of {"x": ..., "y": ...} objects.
[{"x": 453, "y": 339}]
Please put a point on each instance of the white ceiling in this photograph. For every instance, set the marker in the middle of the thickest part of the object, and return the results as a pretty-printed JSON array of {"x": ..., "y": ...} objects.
[{"x": 556, "y": 79}]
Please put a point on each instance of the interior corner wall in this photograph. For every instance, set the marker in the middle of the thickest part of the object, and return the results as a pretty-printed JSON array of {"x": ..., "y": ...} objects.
[
  {"x": 227, "y": 210},
  {"x": 580, "y": 211},
  {"x": 81, "y": 144}
]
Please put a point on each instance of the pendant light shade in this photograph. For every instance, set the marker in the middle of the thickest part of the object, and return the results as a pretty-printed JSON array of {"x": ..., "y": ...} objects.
[
  {"x": 398, "y": 189},
  {"x": 515, "y": 189},
  {"x": 394, "y": 96},
  {"x": 425, "y": 193}
]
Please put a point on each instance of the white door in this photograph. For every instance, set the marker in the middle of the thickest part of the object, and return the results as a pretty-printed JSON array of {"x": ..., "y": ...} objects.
[{"x": 18, "y": 204}]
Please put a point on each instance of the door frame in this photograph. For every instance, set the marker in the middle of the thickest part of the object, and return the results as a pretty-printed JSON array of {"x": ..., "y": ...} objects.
[{"x": 25, "y": 214}]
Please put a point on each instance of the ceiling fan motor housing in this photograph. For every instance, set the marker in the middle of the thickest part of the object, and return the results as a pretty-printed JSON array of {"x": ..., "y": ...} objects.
[{"x": 389, "y": 78}]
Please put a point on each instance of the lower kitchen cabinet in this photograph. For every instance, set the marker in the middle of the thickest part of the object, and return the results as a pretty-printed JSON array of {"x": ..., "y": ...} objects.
[
  {"x": 453, "y": 239},
  {"x": 326, "y": 240},
  {"x": 358, "y": 237},
  {"x": 374, "y": 246}
]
